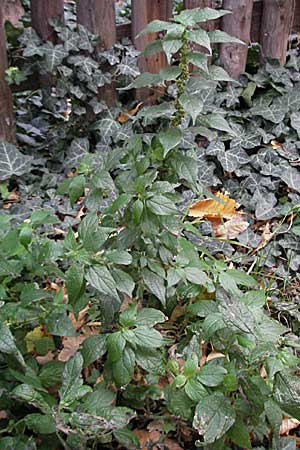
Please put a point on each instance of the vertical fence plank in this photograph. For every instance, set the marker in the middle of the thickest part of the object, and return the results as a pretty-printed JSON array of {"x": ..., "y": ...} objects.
[
  {"x": 99, "y": 17},
  {"x": 41, "y": 12},
  {"x": 234, "y": 56},
  {"x": 143, "y": 12},
  {"x": 7, "y": 129},
  {"x": 275, "y": 28}
]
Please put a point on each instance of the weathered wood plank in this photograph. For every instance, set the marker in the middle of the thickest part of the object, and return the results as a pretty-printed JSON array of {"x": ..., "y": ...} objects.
[
  {"x": 276, "y": 25},
  {"x": 7, "y": 128},
  {"x": 41, "y": 12},
  {"x": 238, "y": 24},
  {"x": 99, "y": 17}
]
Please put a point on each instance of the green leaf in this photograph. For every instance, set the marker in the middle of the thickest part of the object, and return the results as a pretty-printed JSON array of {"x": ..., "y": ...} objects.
[
  {"x": 200, "y": 37},
  {"x": 93, "y": 348},
  {"x": 169, "y": 139},
  {"x": 211, "y": 375},
  {"x": 190, "y": 366},
  {"x": 198, "y": 59},
  {"x": 186, "y": 168},
  {"x": 170, "y": 73},
  {"x": 8, "y": 345},
  {"x": 123, "y": 369},
  {"x": 119, "y": 203},
  {"x": 148, "y": 337},
  {"x": 214, "y": 416},
  {"x": 74, "y": 282},
  {"x": 196, "y": 276},
  {"x": 161, "y": 205},
  {"x": 155, "y": 284},
  {"x": 28, "y": 394},
  {"x": 137, "y": 211},
  {"x": 128, "y": 316},
  {"x": 76, "y": 188},
  {"x": 59, "y": 324},
  {"x": 242, "y": 278},
  {"x": 155, "y": 27},
  {"x": 192, "y": 104},
  {"x": 127, "y": 439},
  {"x": 191, "y": 17},
  {"x": 72, "y": 388},
  {"x": 239, "y": 434},
  {"x": 54, "y": 55},
  {"x": 149, "y": 317},
  {"x": 119, "y": 257},
  {"x": 171, "y": 45},
  {"x": 287, "y": 392},
  {"x": 220, "y": 37},
  {"x": 101, "y": 279},
  {"x": 195, "y": 390},
  {"x": 12, "y": 162},
  {"x": 115, "y": 346},
  {"x": 146, "y": 79},
  {"x": 216, "y": 121},
  {"x": 150, "y": 360},
  {"x": 40, "y": 424},
  {"x": 124, "y": 282}
]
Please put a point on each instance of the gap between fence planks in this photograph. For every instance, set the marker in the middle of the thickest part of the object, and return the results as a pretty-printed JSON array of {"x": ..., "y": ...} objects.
[
  {"x": 41, "y": 12},
  {"x": 7, "y": 128}
]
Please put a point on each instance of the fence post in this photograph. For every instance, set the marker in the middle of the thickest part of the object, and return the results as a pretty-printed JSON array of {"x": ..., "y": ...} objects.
[
  {"x": 7, "y": 128},
  {"x": 238, "y": 24},
  {"x": 99, "y": 17},
  {"x": 41, "y": 12},
  {"x": 276, "y": 26},
  {"x": 143, "y": 12}
]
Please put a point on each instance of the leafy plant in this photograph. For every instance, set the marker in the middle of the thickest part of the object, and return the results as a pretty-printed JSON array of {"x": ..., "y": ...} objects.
[{"x": 116, "y": 309}]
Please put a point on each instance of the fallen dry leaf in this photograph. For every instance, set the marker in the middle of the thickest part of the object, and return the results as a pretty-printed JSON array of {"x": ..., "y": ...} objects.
[
  {"x": 71, "y": 345},
  {"x": 3, "y": 414},
  {"x": 287, "y": 425},
  {"x": 214, "y": 355},
  {"x": 212, "y": 209},
  {"x": 275, "y": 144},
  {"x": 44, "y": 359},
  {"x": 148, "y": 437},
  {"x": 125, "y": 116},
  {"x": 265, "y": 238},
  {"x": 232, "y": 228}
]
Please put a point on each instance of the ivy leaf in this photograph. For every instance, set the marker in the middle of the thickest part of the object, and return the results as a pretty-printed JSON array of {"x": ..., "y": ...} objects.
[
  {"x": 155, "y": 284},
  {"x": 169, "y": 139},
  {"x": 272, "y": 113},
  {"x": 101, "y": 279},
  {"x": 295, "y": 122},
  {"x": 217, "y": 73},
  {"x": 54, "y": 56},
  {"x": 78, "y": 149},
  {"x": 291, "y": 177},
  {"x": 12, "y": 162},
  {"x": 214, "y": 416},
  {"x": 72, "y": 388},
  {"x": 287, "y": 392}
]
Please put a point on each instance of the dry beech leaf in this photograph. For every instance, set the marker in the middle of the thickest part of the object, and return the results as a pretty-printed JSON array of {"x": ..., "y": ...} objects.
[
  {"x": 125, "y": 116},
  {"x": 232, "y": 228},
  {"x": 275, "y": 144},
  {"x": 287, "y": 425},
  {"x": 44, "y": 359},
  {"x": 71, "y": 345},
  {"x": 213, "y": 209},
  {"x": 148, "y": 437},
  {"x": 214, "y": 355}
]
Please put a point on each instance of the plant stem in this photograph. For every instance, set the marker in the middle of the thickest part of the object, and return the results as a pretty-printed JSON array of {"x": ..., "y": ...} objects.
[{"x": 181, "y": 80}]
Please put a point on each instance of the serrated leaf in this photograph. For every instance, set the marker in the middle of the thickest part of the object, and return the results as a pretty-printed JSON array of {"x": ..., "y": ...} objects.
[
  {"x": 72, "y": 384},
  {"x": 101, "y": 279},
  {"x": 93, "y": 348},
  {"x": 149, "y": 317},
  {"x": 124, "y": 282},
  {"x": 148, "y": 337},
  {"x": 214, "y": 416},
  {"x": 161, "y": 205},
  {"x": 198, "y": 59},
  {"x": 155, "y": 284},
  {"x": 123, "y": 369},
  {"x": 193, "y": 16},
  {"x": 200, "y": 37},
  {"x": 169, "y": 139},
  {"x": 211, "y": 375},
  {"x": 192, "y": 104},
  {"x": 220, "y": 37},
  {"x": 12, "y": 162},
  {"x": 74, "y": 282},
  {"x": 8, "y": 345}
]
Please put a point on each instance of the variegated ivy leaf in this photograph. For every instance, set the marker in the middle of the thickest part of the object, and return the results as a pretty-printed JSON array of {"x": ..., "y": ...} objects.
[
  {"x": 86, "y": 64},
  {"x": 265, "y": 206},
  {"x": 86, "y": 38},
  {"x": 54, "y": 56},
  {"x": 233, "y": 158},
  {"x": 78, "y": 149},
  {"x": 107, "y": 127},
  {"x": 32, "y": 43},
  {"x": 128, "y": 66},
  {"x": 291, "y": 176},
  {"x": 271, "y": 113},
  {"x": 220, "y": 37},
  {"x": 295, "y": 122},
  {"x": 70, "y": 39},
  {"x": 12, "y": 162}
]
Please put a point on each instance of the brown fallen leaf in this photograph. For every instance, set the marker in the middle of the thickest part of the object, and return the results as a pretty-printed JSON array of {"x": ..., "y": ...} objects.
[
  {"x": 148, "y": 437},
  {"x": 287, "y": 425},
  {"x": 3, "y": 414},
  {"x": 212, "y": 209},
  {"x": 266, "y": 236},
  {"x": 232, "y": 228},
  {"x": 44, "y": 359},
  {"x": 70, "y": 346},
  {"x": 275, "y": 144},
  {"x": 125, "y": 116}
]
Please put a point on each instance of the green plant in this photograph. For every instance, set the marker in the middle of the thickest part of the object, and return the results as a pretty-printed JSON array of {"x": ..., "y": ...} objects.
[{"x": 160, "y": 327}]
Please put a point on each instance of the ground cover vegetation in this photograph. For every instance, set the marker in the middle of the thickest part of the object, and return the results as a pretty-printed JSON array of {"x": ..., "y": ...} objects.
[{"x": 149, "y": 293}]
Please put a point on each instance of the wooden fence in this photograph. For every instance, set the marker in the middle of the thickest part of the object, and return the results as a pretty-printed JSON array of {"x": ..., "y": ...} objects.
[{"x": 268, "y": 22}]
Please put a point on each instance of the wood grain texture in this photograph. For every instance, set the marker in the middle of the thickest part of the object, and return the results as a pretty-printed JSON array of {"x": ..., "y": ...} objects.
[
  {"x": 238, "y": 24},
  {"x": 7, "y": 129},
  {"x": 41, "y": 12},
  {"x": 99, "y": 17},
  {"x": 276, "y": 26}
]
